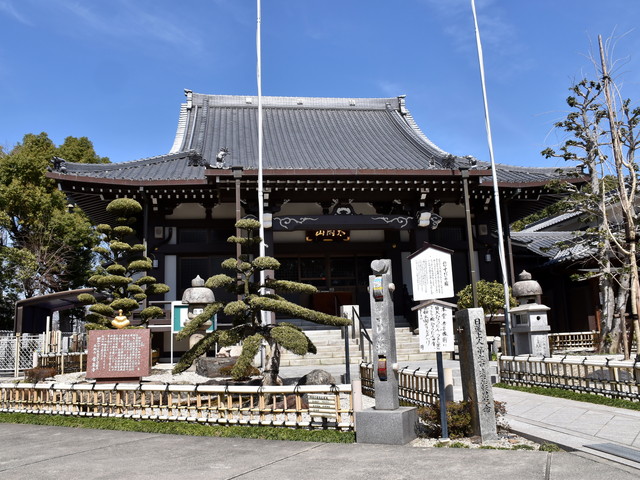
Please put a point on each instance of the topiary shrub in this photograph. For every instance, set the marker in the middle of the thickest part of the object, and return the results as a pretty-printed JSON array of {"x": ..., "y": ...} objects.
[
  {"x": 244, "y": 282},
  {"x": 121, "y": 260}
]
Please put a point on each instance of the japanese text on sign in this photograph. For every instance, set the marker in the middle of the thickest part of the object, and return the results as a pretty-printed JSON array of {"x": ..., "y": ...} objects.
[
  {"x": 435, "y": 323},
  {"x": 431, "y": 274},
  {"x": 122, "y": 353}
]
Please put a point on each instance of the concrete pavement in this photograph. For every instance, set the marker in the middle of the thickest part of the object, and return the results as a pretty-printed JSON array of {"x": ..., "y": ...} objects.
[
  {"x": 607, "y": 433},
  {"x": 30, "y": 451},
  {"x": 603, "y": 442}
]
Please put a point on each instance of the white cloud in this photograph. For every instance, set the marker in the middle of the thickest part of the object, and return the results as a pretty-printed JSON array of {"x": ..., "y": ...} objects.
[
  {"x": 8, "y": 8},
  {"x": 127, "y": 19}
]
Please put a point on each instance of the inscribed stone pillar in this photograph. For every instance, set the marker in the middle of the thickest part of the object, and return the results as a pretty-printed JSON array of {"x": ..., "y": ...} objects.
[
  {"x": 383, "y": 328},
  {"x": 474, "y": 370}
]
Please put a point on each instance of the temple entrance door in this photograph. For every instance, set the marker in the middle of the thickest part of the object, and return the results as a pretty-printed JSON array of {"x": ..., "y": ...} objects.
[{"x": 341, "y": 280}]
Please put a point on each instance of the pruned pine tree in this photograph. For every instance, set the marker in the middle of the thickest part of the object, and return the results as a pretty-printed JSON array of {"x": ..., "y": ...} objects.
[
  {"x": 602, "y": 139},
  {"x": 120, "y": 277},
  {"x": 254, "y": 298}
]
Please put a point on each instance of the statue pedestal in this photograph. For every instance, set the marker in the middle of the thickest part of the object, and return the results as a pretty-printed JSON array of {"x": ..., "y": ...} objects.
[{"x": 389, "y": 427}]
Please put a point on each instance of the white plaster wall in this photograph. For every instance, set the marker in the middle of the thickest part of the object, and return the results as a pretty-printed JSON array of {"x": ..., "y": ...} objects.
[{"x": 170, "y": 276}]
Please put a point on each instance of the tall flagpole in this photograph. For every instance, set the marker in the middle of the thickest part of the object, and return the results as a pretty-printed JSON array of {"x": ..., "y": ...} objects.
[
  {"x": 259, "y": 81},
  {"x": 262, "y": 253},
  {"x": 496, "y": 193}
]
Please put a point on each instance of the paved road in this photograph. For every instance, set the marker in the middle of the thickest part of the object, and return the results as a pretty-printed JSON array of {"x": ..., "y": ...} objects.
[
  {"x": 604, "y": 443},
  {"x": 30, "y": 452}
]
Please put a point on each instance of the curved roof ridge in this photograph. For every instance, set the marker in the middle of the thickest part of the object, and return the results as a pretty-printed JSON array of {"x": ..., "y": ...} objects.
[
  {"x": 181, "y": 131},
  {"x": 406, "y": 114},
  {"x": 297, "y": 102}
]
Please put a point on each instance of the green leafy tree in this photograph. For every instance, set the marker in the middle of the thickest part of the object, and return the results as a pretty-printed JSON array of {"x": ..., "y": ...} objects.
[
  {"x": 121, "y": 277},
  {"x": 79, "y": 150},
  {"x": 45, "y": 245},
  {"x": 490, "y": 297},
  {"x": 254, "y": 298}
]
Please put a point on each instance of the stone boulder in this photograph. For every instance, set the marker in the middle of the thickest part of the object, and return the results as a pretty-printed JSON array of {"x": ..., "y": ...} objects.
[
  {"x": 210, "y": 366},
  {"x": 317, "y": 377}
]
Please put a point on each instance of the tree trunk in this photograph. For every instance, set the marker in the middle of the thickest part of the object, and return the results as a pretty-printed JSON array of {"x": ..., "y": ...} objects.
[
  {"x": 626, "y": 194},
  {"x": 272, "y": 365},
  {"x": 621, "y": 315}
]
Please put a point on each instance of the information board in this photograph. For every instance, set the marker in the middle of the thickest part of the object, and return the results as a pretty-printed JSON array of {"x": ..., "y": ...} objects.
[
  {"x": 435, "y": 326},
  {"x": 431, "y": 273},
  {"x": 119, "y": 354}
]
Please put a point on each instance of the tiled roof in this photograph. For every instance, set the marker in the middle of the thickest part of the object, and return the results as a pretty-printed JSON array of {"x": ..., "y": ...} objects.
[
  {"x": 527, "y": 175},
  {"x": 556, "y": 246},
  {"x": 299, "y": 133},
  {"x": 173, "y": 166},
  {"x": 308, "y": 133},
  {"x": 551, "y": 221}
]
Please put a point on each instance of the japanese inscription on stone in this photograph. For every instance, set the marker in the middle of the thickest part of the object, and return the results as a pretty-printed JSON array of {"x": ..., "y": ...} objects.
[
  {"x": 119, "y": 353},
  {"x": 435, "y": 324},
  {"x": 431, "y": 274}
]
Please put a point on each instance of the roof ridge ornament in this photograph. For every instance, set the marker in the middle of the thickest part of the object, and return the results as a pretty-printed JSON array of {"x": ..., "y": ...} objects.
[{"x": 58, "y": 165}]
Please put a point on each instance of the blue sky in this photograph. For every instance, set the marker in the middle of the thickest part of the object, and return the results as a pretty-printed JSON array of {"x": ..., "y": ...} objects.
[{"x": 115, "y": 70}]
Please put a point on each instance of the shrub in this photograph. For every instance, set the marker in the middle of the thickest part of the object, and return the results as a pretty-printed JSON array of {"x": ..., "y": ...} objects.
[
  {"x": 38, "y": 374},
  {"x": 458, "y": 419}
]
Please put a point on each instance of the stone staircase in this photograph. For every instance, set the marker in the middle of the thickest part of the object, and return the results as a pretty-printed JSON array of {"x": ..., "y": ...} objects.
[{"x": 330, "y": 345}]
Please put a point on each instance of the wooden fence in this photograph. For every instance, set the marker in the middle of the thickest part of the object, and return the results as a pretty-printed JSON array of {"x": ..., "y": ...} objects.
[
  {"x": 282, "y": 406},
  {"x": 415, "y": 387},
  {"x": 610, "y": 378},
  {"x": 63, "y": 362},
  {"x": 564, "y": 342}
]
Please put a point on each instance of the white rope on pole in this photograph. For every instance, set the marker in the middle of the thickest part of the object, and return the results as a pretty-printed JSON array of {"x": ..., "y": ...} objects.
[{"x": 496, "y": 193}]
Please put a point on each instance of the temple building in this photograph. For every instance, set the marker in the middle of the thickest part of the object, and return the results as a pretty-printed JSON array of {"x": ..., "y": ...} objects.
[{"x": 345, "y": 181}]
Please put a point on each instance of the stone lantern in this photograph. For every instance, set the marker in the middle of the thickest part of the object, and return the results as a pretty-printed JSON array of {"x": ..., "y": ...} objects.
[
  {"x": 198, "y": 297},
  {"x": 529, "y": 319}
]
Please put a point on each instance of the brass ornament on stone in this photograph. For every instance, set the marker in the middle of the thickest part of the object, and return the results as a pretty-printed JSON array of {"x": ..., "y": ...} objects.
[{"x": 120, "y": 321}]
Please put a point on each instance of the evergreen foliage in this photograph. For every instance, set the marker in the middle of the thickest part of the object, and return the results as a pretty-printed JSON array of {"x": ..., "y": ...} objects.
[
  {"x": 45, "y": 243},
  {"x": 120, "y": 260},
  {"x": 245, "y": 312},
  {"x": 490, "y": 297}
]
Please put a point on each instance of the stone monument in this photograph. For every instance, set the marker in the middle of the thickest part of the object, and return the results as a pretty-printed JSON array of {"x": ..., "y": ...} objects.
[
  {"x": 387, "y": 422},
  {"x": 474, "y": 370},
  {"x": 122, "y": 355}
]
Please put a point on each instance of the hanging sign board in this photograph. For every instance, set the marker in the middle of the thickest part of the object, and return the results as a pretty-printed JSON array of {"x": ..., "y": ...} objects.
[
  {"x": 179, "y": 317},
  {"x": 431, "y": 273},
  {"x": 435, "y": 326}
]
